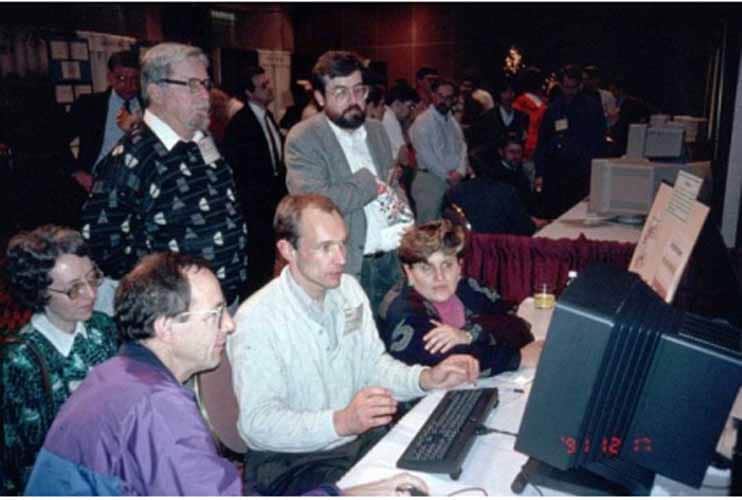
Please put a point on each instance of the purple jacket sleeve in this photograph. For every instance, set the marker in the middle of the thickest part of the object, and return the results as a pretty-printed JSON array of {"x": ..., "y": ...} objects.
[{"x": 171, "y": 452}]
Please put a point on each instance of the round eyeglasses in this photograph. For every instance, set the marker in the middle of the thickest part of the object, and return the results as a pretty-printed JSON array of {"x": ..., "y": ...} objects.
[
  {"x": 342, "y": 94},
  {"x": 93, "y": 279}
]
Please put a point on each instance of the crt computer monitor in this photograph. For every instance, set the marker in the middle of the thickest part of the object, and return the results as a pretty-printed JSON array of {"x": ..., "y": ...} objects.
[
  {"x": 625, "y": 187},
  {"x": 628, "y": 387}
]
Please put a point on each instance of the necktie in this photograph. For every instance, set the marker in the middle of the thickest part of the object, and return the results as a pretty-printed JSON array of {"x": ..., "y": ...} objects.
[
  {"x": 270, "y": 127},
  {"x": 127, "y": 105}
]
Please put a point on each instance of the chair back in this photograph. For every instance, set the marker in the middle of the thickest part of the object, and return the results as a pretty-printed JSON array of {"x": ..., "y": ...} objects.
[{"x": 219, "y": 405}]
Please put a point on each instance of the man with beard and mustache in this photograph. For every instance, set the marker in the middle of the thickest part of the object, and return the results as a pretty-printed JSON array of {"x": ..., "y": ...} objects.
[
  {"x": 440, "y": 150},
  {"x": 338, "y": 154},
  {"x": 164, "y": 186}
]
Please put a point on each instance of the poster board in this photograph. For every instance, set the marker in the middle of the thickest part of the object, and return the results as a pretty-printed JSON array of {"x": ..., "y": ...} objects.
[
  {"x": 669, "y": 235},
  {"x": 69, "y": 67}
]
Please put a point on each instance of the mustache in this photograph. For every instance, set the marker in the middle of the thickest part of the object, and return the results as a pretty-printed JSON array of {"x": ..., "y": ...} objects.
[{"x": 355, "y": 107}]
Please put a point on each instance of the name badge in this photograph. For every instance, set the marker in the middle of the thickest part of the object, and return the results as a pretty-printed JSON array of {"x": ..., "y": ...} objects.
[
  {"x": 562, "y": 124},
  {"x": 353, "y": 319},
  {"x": 208, "y": 150}
]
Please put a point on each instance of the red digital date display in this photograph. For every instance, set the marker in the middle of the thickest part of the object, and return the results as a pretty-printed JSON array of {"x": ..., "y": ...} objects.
[{"x": 609, "y": 445}]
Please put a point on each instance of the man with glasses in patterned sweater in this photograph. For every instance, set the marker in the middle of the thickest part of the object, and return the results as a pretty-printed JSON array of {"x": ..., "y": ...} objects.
[{"x": 165, "y": 186}]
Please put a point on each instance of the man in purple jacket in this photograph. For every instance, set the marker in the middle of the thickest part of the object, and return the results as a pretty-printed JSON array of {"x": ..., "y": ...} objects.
[{"x": 132, "y": 427}]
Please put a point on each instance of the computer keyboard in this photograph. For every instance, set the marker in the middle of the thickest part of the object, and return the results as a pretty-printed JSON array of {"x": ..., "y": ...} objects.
[{"x": 442, "y": 443}]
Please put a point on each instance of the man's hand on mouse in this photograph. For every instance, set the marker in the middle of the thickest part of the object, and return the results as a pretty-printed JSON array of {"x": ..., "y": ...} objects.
[{"x": 400, "y": 485}]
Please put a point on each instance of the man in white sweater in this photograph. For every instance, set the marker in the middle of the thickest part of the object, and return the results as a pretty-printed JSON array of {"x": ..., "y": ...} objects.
[{"x": 310, "y": 372}]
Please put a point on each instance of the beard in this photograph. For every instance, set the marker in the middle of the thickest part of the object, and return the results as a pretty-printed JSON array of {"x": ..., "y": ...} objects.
[
  {"x": 443, "y": 108},
  {"x": 350, "y": 119}
]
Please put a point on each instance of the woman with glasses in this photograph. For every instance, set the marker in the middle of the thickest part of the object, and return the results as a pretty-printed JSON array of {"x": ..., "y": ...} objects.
[
  {"x": 437, "y": 313},
  {"x": 50, "y": 272}
]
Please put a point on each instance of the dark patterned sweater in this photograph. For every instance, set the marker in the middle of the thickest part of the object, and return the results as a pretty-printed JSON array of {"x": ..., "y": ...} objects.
[
  {"x": 27, "y": 411},
  {"x": 146, "y": 199}
]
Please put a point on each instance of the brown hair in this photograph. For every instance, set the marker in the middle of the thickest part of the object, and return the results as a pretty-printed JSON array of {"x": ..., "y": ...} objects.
[
  {"x": 423, "y": 241},
  {"x": 288, "y": 214},
  {"x": 333, "y": 64}
]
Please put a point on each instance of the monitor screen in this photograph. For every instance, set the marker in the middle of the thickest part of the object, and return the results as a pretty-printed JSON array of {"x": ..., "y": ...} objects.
[{"x": 622, "y": 186}]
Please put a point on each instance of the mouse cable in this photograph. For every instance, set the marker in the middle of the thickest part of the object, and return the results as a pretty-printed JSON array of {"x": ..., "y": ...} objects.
[
  {"x": 466, "y": 490},
  {"x": 481, "y": 430}
]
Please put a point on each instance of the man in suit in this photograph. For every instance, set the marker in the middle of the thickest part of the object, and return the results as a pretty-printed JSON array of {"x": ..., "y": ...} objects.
[
  {"x": 341, "y": 155},
  {"x": 253, "y": 147},
  {"x": 572, "y": 133},
  {"x": 99, "y": 120},
  {"x": 500, "y": 122}
]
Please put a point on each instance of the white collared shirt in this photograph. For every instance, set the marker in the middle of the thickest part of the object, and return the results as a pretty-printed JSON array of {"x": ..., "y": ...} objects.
[
  {"x": 260, "y": 115},
  {"x": 439, "y": 143},
  {"x": 62, "y": 341},
  {"x": 393, "y": 130},
  {"x": 355, "y": 148},
  {"x": 165, "y": 132},
  {"x": 507, "y": 118}
]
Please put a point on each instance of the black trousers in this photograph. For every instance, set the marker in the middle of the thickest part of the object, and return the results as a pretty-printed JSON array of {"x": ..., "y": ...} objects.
[{"x": 291, "y": 474}]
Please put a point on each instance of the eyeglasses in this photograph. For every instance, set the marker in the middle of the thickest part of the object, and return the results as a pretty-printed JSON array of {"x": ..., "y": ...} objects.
[
  {"x": 93, "y": 279},
  {"x": 210, "y": 316},
  {"x": 342, "y": 94},
  {"x": 194, "y": 84}
]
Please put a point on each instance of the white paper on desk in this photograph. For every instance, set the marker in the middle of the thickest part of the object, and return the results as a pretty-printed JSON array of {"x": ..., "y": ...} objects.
[
  {"x": 667, "y": 240},
  {"x": 59, "y": 50},
  {"x": 685, "y": 192},
  {"x": 79, "y": 51},
  {"x": 64, "y": 94},
  {"x": 674, "y": 256},
  {"x": 71, "y": 70},
  {"x": 519, "y": 378}
]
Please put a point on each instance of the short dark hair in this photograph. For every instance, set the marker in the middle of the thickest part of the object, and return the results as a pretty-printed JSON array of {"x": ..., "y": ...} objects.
[
  {"x": 571, "y": 71},
  {"x": 375, "y": 94},
  {"x": 443, "y": 81},
  {"x": 509, "y": 138},
  {"x": 503, "y": 83},
  {"x": 246, "y": 79},
  {"x": 332, "y": 64},
  {"x": 402, "y": 92},
  {"x": 591, "y": 71},
  {"x": 125, "y": 58},
  {"x": 425, "y": 71},
  {"x": 419, "y": 243},
  {"x": 288, "y": 214},
  {"x": 157, "y": 287},
  {"x": 32, "y": 255}
]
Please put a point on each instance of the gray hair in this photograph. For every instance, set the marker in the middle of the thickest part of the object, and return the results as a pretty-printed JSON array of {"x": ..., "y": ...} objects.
[{"x": 158, "y": 62}]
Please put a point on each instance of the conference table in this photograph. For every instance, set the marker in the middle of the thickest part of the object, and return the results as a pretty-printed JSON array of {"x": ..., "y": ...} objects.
[
  {"x": 492, "y": 464},
  {"x": 578, "y": 220}
]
